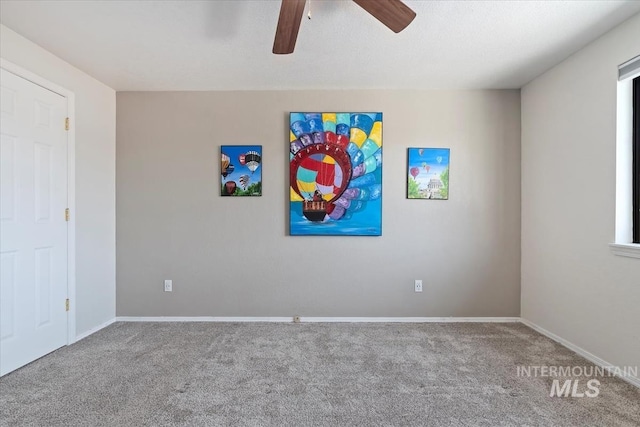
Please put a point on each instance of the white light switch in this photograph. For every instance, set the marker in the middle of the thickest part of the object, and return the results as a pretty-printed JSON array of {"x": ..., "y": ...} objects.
[{"x": 168, "y": 285}]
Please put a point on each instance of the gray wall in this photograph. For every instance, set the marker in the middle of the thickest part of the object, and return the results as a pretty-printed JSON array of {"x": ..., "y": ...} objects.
[
  {"x": 572, "y": 285},
  {"x": 233, "y": 257}
]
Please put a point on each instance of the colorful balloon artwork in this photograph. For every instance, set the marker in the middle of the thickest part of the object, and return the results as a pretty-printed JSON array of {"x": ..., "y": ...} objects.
[
  {"x": 428, "y": 173},
  {"x": 246, "y": 173},
  {"x": 335, "y": 174}
]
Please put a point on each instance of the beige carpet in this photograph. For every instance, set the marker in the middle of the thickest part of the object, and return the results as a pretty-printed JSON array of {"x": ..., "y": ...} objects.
[{"x": 262, "y": 374}]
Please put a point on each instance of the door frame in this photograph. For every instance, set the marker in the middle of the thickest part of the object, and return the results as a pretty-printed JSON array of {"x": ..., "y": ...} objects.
[{"x": 71, "y": 185}]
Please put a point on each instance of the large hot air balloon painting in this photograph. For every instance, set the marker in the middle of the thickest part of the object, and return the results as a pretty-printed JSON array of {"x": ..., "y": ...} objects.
[
  {"x": 428, "y": 173},
  {"x": 335, "y": 174},
  {"x": 241, "y": 170}
]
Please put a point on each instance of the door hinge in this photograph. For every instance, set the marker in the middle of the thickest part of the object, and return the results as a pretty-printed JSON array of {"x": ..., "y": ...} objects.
[
  {"x": 67, "y": 214},
  {"x": 66, "y": 304},
  {"x": 66, "y": 123}
]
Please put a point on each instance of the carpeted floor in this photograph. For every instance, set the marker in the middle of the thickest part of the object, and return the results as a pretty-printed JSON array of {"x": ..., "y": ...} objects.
[{"x": 266, "y": 374}]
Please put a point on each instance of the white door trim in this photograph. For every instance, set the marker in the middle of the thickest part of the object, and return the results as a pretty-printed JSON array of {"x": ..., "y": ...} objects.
[{"x": 71, "y": 185}]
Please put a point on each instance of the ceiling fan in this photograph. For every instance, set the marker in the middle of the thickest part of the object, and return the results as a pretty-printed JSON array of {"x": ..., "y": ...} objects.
[{"x": 392, "y": 13}]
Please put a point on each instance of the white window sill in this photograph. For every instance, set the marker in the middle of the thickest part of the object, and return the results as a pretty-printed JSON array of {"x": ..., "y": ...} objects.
[{"x": 626, "y": 249}]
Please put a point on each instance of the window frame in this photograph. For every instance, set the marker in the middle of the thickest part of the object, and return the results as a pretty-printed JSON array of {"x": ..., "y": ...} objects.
[
  {"x": 627, "y": 198},
  {"x": 636, "y": 161}
]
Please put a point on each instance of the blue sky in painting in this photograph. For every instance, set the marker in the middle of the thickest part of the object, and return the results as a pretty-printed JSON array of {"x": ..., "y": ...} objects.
[
  {"x": 436, "y": 160},
  {"x": 234, "y": 152}
]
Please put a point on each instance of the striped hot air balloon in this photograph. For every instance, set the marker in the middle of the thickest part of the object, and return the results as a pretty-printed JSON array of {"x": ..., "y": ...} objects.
[
  {"x": 244, "y": 180},
  {"x": 252, "y": 160}
]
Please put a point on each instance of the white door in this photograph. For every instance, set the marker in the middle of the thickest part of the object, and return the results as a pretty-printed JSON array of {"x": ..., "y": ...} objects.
[{"x": 33, "y": 228}]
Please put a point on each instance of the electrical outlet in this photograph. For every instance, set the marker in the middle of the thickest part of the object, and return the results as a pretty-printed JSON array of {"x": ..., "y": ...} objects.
[
  {"x": 418, "y": 285},
  {"x": 296, "y": 319},
  {"x": 168, "y": 285}
]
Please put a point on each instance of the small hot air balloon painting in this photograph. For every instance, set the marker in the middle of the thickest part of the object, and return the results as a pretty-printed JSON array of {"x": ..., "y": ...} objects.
[
  {"x": 335, "y": 174},
  {"x": 240, "y": 170},
  {"x": 428, "y": 173}
]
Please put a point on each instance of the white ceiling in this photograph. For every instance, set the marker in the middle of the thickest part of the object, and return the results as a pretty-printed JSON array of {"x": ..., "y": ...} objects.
[{"x": 226, "y": 45}]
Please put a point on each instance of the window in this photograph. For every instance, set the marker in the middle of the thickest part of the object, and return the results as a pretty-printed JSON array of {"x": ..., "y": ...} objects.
[{"x": 627, "y": 237}]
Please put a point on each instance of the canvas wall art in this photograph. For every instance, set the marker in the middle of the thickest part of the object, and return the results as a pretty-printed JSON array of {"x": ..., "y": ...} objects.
[
  {"x": 335, "y": 174},
  {"x": 241, "y": 170},
  {"x": 428, "y": 173}
]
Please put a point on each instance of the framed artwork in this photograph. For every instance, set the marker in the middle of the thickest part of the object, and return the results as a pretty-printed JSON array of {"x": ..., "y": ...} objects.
[
  {"x": 241, "y": 171},
  {"x": 335, "y": 174},
  {"x": 428, "y": 173}
]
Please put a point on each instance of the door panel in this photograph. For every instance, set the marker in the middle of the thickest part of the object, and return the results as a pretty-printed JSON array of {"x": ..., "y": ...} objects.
[{"x": 33, "y": 230}]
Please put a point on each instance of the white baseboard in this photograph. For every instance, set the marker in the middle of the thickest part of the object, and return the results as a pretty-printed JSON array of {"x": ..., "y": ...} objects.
[
  {"x": 94, "y": 330},
  {"x": 203, "y": 319},
  {"x": 304, "y": 319},
  {"x": 579, "y": 350},
  {"x": 409, "y": 319}
]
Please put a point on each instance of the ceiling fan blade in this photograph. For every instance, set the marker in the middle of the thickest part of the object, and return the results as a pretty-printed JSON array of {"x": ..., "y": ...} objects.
[
  {"x": 288, "y": 25},
  {"x": 392, "y": 13}
]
